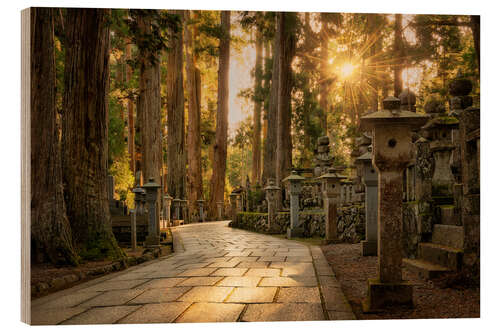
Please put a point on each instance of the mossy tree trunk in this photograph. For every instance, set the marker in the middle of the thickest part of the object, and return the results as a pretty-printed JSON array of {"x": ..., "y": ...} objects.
[
  {"x": 176, "y": 158},
  {"x": 218, "y": 180},
  {"x": 257, "y": 112},
  {"x": 85, "y": 132},
  {"x": 50, "y": 229}
]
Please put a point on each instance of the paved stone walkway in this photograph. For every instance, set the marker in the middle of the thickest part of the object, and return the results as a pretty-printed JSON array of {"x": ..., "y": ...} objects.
[{"x": 217, "y": 274}]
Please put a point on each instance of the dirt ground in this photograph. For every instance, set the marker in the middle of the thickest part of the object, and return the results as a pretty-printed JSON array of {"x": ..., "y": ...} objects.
[{"x": 433, "y": 299}]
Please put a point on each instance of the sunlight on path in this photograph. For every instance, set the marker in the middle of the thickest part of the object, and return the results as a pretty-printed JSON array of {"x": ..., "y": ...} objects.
[{"x": 216, "y": 274}]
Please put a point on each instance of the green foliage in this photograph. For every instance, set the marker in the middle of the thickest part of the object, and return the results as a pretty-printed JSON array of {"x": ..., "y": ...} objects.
[{"x": 124, "y": 179}]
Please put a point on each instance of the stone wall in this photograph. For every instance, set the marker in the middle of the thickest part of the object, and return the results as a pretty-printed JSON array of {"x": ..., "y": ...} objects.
[{"x": 350, "y": 223}]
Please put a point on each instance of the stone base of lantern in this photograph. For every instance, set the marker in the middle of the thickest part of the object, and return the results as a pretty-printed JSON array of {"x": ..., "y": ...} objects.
[
  {"x": 381, "y": 296},
  {"x": 295, "y": 232},
  {"x": 369, "y": 248},
  {"x": 152, "y": 241}
]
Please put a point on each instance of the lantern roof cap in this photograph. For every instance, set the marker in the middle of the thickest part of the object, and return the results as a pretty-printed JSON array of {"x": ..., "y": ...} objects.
[{"x": 294, "y": 176}]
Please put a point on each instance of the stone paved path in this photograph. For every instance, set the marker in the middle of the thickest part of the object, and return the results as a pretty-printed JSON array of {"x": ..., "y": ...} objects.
[{"x": 217, "y": 274}]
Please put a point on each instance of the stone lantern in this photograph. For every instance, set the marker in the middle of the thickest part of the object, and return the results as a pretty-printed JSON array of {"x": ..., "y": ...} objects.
[
  {"x": 272, "y": 197},
  {"x": 392, "y": 153},
  {"x": 330, "y": 183},
  {"x": 370, "y": 180},
  {"x": 220, "y": 209},
  {"x": 138, "y": 193},
  {"x": 177, "y": 210},
  {"x": 184, "y": 210},
  {"x": 294, "y": 182},
  {"x": 233, "y": 198},
  {"x": 439, "y": 132},
  {"x": 168, "y": 204},
  {"x": 200, "y": 207},
  {"x": 153, "y": 238}
]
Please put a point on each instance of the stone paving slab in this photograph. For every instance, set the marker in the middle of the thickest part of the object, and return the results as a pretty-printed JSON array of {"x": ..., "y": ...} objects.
[
  {"x": 211, "y": 312},
  {"x": 216, "y": 274},
  {"x": 104, "y": 315}
]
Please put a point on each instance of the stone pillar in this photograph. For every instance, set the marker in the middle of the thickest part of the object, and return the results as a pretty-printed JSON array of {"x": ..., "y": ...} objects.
[
  {"x": 272, "y": 196},
  {"x": 133, "y": 227},
  {"x": 220, "y": 209},
  {"x": 168, "y": 204},
  {"x": 370, "y": 180},
  {"x": 200, "y": 207},
  {"x": 177, "y": 210},
  {"x": 331, "y": 192},
  {"x": 153, "y": 238},
  {"x": 184, "y": 210},
  {"x": 294, "y": 182},
  {"x": 392, "y": 153},
  {"x": 233, "y": 197}
]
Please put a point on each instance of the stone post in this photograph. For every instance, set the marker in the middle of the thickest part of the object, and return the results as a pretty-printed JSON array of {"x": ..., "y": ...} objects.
[
  {"x": 295, "y": 183},
  {"x": 177, "y": 210},
  {"x": 220, "y": 209},
  {"x": 133, "y": 227},
  {"x": 153, "y": 238},
  {"x": 331, "y": 193},
  {"x": 272, "y": 196},
  {"x": 184, "y": 210},
  {"x": 233, "y": 197},
  {"x": 200, "y": 207},
  {"x": 392, "y": 153},
  {"x": 370, "y": 180},
  {"x": 168, "y": 204}
]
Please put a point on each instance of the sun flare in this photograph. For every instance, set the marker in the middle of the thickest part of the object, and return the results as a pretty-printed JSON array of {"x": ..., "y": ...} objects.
[{"x": 346, "y": 70}]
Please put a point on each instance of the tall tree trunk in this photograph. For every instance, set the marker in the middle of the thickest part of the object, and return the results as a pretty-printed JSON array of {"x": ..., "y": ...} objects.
[
  {"x": 85, "y": 131},
  {"x": 130, "y": 110},
  {"x": 323, "y": 86},
  {"x": 398, "y": 54},
  {"x": 50, "y": 229},
  {"x": 269, "y": 166},
  {"x": 267, "y": 89},
  {"x": 218, "y": 181},
  {"x": 176, "y": 157},
  {"x": 257, "y": 112},
  {"x": 286, "y": 33},
  {"x": 193, "y": 84},
  {"x": 476, "y": 33}
]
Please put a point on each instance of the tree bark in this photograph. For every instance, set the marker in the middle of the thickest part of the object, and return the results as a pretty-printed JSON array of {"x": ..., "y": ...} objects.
[
  {"x": 286, "y": 33},
  {"x": 476, "y": 33},
  {"x": 193, "y": 84},
  {"x": 269, "y": 166},
  {"x": 257, "y": 112},
  {"x": 130, "y": 110},
  {"x": 50, "y": 229},
  {"x": 398, "y": 54},
  {"x": 85, "y": 132},
  {"x": 218, "y": 181},
  {"x": 176, "y": 157},
  {"x": 323, "y": 85}
]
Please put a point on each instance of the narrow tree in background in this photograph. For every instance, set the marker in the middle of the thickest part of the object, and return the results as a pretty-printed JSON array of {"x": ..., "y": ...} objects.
[
  {"x": 269, "y": 166},
  {"x": 398, "y": 54},
  {"x": 85, "y": 131},
  {"x": 176, "y": 157},
  {"x": 218, "y": 181},
  {"x": 286, "y": 34},
  {"x": 50, "y": 229},
  {"x": 130, "y": 109},
  {"x": 257, "y": 112},
  {"x": 193, "y": 86}
]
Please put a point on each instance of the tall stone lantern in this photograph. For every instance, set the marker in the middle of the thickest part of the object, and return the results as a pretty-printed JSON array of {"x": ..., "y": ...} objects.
[
  {"x": 153, "y": 238},
  {"x": 138, "y": 193},
  {"x": 233, "y": 198},
  {"x": 177, "y": 209},
  {"x": 168, "y": 204},
  {"x": 330, "y": 183},
  {"x": 294, "y": 182},
  {"x": 370, "y": 180},
  {"x": 200, "y": 203},
  {"x": 392, "y": 153},
  {"x": 220, "y": 210},
  {"x": 272, "y": 197}
]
